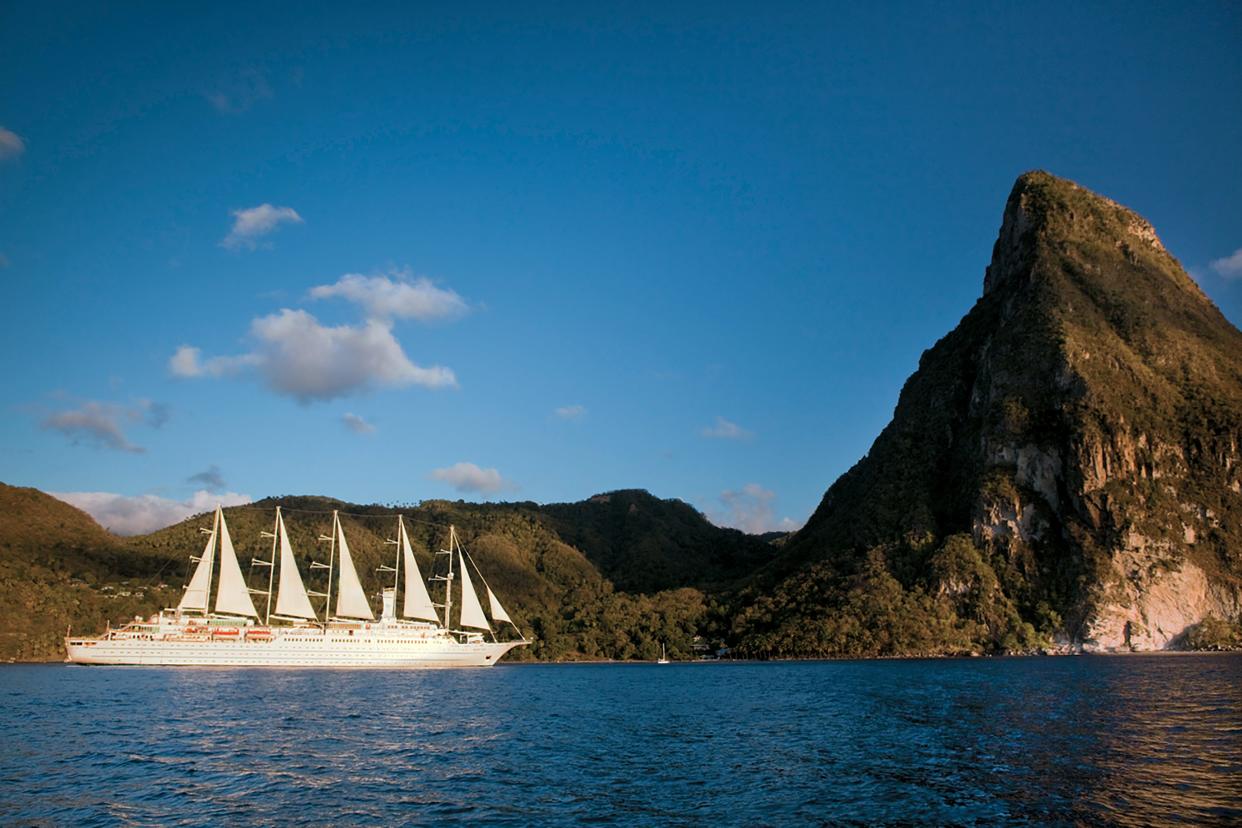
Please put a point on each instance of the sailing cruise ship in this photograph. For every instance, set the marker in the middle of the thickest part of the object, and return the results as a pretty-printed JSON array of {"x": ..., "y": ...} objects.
[{"x": 230, "y": 634}]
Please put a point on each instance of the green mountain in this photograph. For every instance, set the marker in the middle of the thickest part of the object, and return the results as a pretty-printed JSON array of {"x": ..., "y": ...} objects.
[
  {"x": 644, "y": 544},
  {"x": 59, "y": 567},
  {"x": 1063, "y": 466},
  {"x": 561, "y": 569}
]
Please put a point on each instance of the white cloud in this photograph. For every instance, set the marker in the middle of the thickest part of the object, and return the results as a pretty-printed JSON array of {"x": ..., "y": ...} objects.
[
  {"x": 11, "y": 144},
  {"x": 300, "y": 358},
  {"x": 145, "y": 513},
  {"x": 357, "y": 424},
  {"x": 467, "y": 477},
  {"x": 186, "y": 362},
  {"x": 253, "y": 223},
  {"x": 395, "y": 296},
  {"x": 570, "y": 412},
  {"x": 751, "y": 510},
  {"x": 725, "y": 430},
  {"x": 310, "y": 361},
  {"x": 1231, "y": 266},
  {"x": 101, "y": 423}
]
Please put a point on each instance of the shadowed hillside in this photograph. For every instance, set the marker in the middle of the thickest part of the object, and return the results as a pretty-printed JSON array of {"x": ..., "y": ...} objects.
[
  {"x": 59, "y": 567},
  {"x": 646, "y": 544}
]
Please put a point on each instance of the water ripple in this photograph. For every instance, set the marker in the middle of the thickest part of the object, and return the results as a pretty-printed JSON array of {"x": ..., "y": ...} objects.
[{"x": 1073, "y": 741}]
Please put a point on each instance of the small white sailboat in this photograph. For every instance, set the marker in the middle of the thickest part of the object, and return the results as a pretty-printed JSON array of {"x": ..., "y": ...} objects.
[
  {"x": 231, "y": 634},
  {"x": 663, "y": 655}
]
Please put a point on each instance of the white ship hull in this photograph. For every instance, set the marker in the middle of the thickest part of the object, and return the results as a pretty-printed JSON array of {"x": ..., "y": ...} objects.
[{"x": 396, "y": 646}]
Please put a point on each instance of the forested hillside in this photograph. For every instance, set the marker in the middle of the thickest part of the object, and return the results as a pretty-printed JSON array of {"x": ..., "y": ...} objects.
[{"x": 59, "y": 567}]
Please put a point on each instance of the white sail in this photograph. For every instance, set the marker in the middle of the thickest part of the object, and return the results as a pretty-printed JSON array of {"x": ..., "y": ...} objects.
[
  {"x": 498, "y": 612},
  {"x": 471, "y": 611},
  {"x": 351, "y": 601},
  {"x": 232, "y": 596},
  {"x": 417, "y": 602},
  {"x": 291, "y": 599},
  {"x": 197, "y": 592}
]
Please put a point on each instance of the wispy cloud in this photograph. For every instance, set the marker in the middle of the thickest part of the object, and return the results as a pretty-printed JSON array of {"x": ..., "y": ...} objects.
[
  {"x": 245, "y": 89},
  {"x": 726, "y": 430},
  {"x": 570, "y": 412},
  {"x": 11, "y": 144},
  {"x": 467, "y": 477},
  {"x": 751, "y": 509},
  {"x": 253, "y": 223},
  {"x": 1229, "y": 267},
  {"x": 102, "y": 423},
  {"x": 301, "y": 358},
  {"x": 140, "y": 514},
  {"x": 154, "y": 414},
  {"x": 210, "y": 478},
  {"x": 395, "y": 295},
  {"x": 357, "y": 424},
  {"x": 187, "y": 362}
]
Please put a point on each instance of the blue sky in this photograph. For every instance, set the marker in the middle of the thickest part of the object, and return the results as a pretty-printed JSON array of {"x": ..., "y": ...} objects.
[{"x": 557, "y": 251}]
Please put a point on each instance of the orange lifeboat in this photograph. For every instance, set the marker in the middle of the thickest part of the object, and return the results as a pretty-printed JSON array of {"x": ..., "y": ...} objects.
[{"x": 224, "y": 632}]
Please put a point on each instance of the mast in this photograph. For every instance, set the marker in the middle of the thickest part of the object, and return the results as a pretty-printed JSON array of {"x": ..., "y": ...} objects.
[
  {"x": 396, "y": 569},
  {"x": 336, "y": 523},
  {"x": 327, "y": 600},
  {"x": 448, "y": 589},
  {"x": 211, "y": 564},
  {"x": 271, "y": 572},
  {"x": 448, "y": 581},
  {"x": 271, "y": 568}
]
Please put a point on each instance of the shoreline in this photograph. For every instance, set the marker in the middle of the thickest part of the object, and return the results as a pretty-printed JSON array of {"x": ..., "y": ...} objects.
[{"x": 826, "y": 659}]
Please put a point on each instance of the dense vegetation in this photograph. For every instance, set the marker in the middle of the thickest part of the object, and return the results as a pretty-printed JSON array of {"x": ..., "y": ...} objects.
[{"x": 59, "y": 567}]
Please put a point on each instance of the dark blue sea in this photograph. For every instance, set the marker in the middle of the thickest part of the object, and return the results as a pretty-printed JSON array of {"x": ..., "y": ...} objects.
[{"x": 1135, "y": 740}]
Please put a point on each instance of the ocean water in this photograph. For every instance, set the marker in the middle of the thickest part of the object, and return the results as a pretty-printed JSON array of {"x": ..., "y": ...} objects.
[{"x": 1135, "y": 740}]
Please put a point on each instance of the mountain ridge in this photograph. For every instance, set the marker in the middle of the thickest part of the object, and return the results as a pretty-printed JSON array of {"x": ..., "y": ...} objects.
[{"x": 1011, "y": 502}]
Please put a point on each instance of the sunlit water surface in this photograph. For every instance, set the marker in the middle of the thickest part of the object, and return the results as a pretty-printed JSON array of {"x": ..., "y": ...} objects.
[{"x": 1124, "y": 740}]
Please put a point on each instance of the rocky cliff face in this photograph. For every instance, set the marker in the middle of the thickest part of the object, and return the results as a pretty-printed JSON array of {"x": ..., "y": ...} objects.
[{"x": 1081, "y": 426}]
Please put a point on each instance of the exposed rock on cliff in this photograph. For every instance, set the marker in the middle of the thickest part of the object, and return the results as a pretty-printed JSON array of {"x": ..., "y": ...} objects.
[{"x": 1081, "y": 426}]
